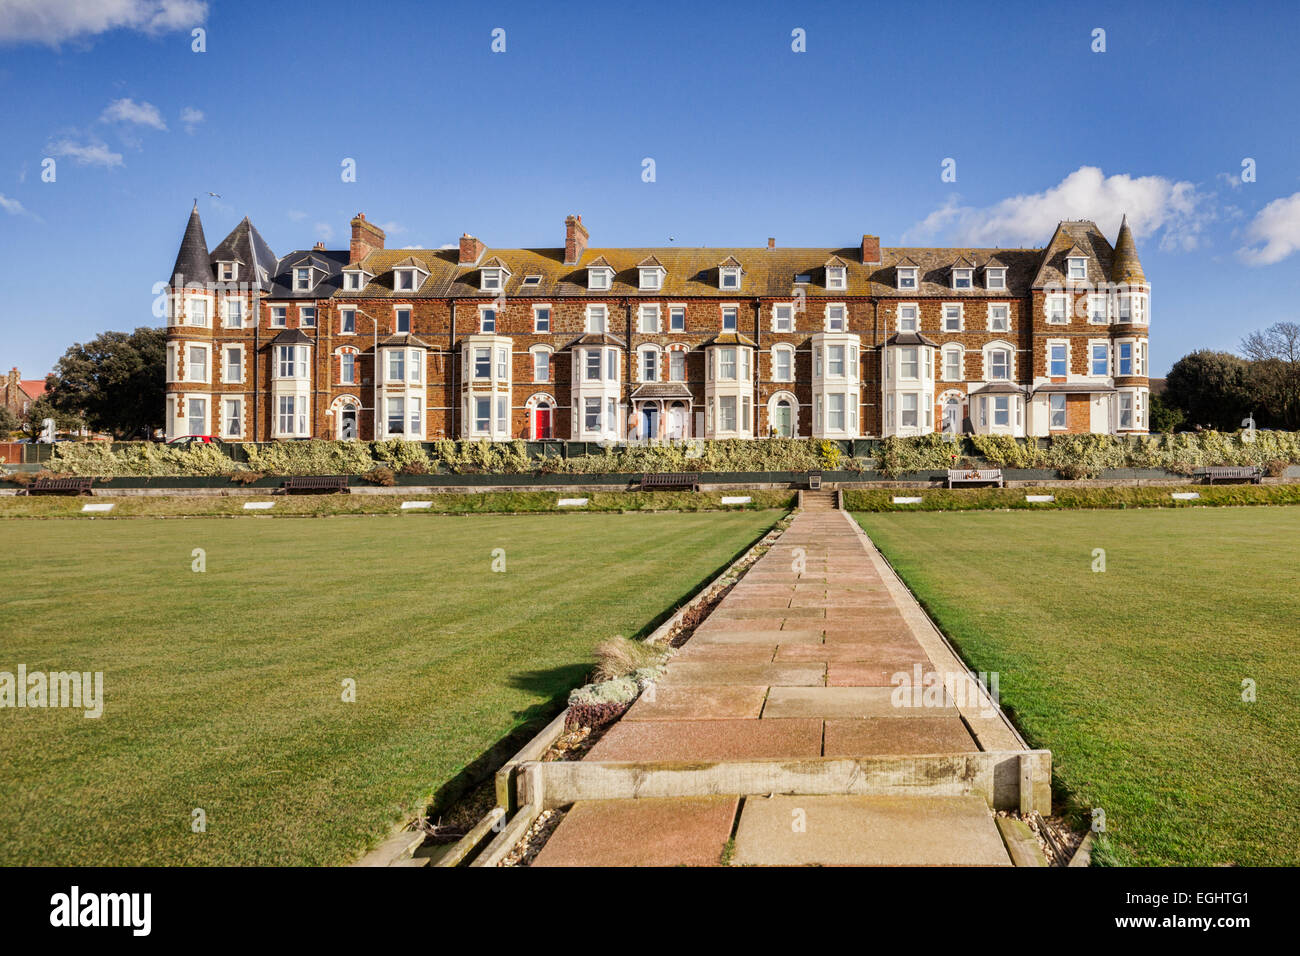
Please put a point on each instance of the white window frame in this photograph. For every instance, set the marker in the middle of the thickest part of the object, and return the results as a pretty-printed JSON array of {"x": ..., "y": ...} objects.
[
  {"x": 483, "y": 310},
  {"x": 1081, "y": 262},
  {"x": 651, "y": 279},
  {"x": 1095, "y": 299},
  {"x": 734, "y": 309},
  {"x": 1005, "y": 308},
  {"x": 279, "y": 318},
  {"x": 302, "y": 314},
  {"x": 600, "y": 279},
  {"x": 301, "y": 283},
  {"x": 995, "y": 279},
  {"x": 538, "y": 351},
  {"x": 788, "y": 351},
  {"x": 347, "y": 353},
  {"x": 491, "y": 280},
  {"x": 226, "y": 352},
  {"x": 673, "y": 310},
  {"x": 676, "y": 354},
  {"x": 238, "y": 402},
  {"x": 999, "y": 345},
  {"x": 1052, "y": 346},
  {"x": 1049, "y": 302},
  {"x": 597, "y": 310},
  {"x": 963, "y": 279},
  {"x": 916, "y": 316},
  {"x": 538, "y": 308},
  {"x": 780, "y": 324},
  {"x": 909, "y": 279},
  {"x": 410, "y": 318},
  {"x": 1093, "y": 345},
  {"x": 726, "y": 273},
  {"x": 1051, "y": 412},
  {"x": 191, "y": 363},
  {"x": 345, "y": 311},
  {"x": 945, "y": 354},
  {"x": 944, "y": 316},
  {"x": 843, "y": 310},
  {"x": 651, "y": 312},
  {"x": 648, "y": 353},
  {"x": 237, "y": 302},
  {"x": 837, "y": 278}
]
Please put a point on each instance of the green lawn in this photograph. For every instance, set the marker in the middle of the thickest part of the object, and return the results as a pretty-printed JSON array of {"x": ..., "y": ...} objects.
[
  {"x": 223, "y": 690},
  {"x": 1133, "y": 677}
]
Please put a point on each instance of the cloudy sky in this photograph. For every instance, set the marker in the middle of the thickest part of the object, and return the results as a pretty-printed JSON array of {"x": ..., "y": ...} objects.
[{"x": 749, "y": 138}]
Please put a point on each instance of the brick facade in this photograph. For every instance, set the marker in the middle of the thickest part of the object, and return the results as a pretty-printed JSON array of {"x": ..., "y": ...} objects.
[{"x": 440, "y": 317}]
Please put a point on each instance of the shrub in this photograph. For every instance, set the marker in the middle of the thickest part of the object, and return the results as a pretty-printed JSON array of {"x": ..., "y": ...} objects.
[
  {"x": 619, "y": 656},
  {"x": 246, "y": 477},
  {"x": 380, "y": 476}
]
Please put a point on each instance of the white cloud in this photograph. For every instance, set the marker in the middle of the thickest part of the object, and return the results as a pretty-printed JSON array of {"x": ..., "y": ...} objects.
[
  {"x": 1153, "y": 204},
  {"x": 129, "y": 111},
  {"x": 393, "y": 228},
  {"x": 296, "y": 215},
  {"x": 88, "y": 154},
  {"x": 56, "y": 21},
  {"x": 1274, "y": 233},
  {"x": 11, "y": 206},
  {"x": 324, "y": 231},
  {"x": 191, "y": 118}
]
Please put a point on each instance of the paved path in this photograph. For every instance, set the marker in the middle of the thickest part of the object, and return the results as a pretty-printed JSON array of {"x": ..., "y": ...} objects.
[{"x": 796, "y": 662}]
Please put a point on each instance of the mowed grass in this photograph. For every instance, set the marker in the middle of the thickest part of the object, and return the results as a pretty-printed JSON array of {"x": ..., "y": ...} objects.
[
  {"x": 223, "y": 689},
  {"x": 1132, "y": 677}
]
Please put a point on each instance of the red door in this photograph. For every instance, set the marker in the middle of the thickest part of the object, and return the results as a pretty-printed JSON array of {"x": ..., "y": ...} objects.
[{"x": 542, "y": 423}]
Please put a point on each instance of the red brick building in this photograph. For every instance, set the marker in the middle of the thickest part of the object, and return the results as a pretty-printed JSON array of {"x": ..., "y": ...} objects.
[
  {"x": 18, "y": 394},
  {"x": 586, "y": 343}
]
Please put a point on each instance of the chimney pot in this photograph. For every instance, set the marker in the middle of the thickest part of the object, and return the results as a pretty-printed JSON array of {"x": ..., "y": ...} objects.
[{"x": 575, "y": 239}]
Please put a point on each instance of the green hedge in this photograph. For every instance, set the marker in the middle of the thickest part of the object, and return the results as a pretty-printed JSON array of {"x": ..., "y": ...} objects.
[
  {"x": 132, "y": 506},
  {"x": 1089, "y": 454},
  {"x": 1073, "y": 455},
  {"x": 357, "y": 458},
  {"x": 989, "y": 499}
]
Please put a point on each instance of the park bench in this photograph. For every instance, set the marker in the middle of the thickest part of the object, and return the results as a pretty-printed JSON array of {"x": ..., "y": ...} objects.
[
  {"x": 315, "y": 484},
  {"x": 975, "y": 476},
  {"x": 1249, "y": 473},
  {"x": 672, "y": 479},
  {"x": 60, "y": 486}
]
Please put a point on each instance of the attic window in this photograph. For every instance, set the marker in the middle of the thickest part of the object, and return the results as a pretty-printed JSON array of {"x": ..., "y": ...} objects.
[
  {"x": 352, "y": 281},
  {"x": 835, "y": 278},
  {"x": 962, "y": 278},
  {"x": 599, "y": 279},
  {"x": 652, "y": 279},
  {"x": 491, "y": 280},
  {"x": 1076, "y": 268},
  {"x": 907, "y": 277},
  {"x": 532, "y": 280},
  {"x": 301, "y": 280},
  {"x": 995, "y": 278},
  {"x": 229, "y": 270},
  {"x": 406, "y": 279},
  {"x": 729, "y": 277},
  {"x": 803, "y": 278}
]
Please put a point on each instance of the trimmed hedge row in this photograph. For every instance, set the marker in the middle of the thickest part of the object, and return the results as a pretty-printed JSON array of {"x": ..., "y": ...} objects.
[
  {"x": 322, "y": 505},
  {"x": 991, "y": 499},
  {"x": 1072, "y": 456}
]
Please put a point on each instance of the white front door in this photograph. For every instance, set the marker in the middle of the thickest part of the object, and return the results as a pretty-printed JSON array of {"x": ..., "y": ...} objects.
[{"x": 951, "y": 418}]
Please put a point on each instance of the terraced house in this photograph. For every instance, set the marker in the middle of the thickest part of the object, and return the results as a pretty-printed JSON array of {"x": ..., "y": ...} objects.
[{"x": 601, "y": 344}]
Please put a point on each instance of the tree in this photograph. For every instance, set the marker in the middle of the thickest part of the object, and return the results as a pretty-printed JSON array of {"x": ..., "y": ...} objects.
[
  {"x": 1274, "y": 376},
  {"x": 115, "y": 382},
  {"x": 1164, "y": 417},
  {"x": 42, "y": 409},
  {"x": 8, "y": 422},
  {"x": 1212, "y": 389}
]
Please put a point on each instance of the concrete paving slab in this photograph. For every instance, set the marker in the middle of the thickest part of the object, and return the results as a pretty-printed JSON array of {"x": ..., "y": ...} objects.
[
  {"x": 868, "y": 831},
  {"x": 882, "y": 656},
  {"x": 772, "y": 636},
  {"x": 669, "y": 740},
  {"x": 726, "y": 612},
  {"x": 716, "y": 672},
  {"x": 875, "y": 736},
  {"x": 874, "y": 673},
  {"x": 828, "y": 702},
  {"x": 715, "y": 702},
  {"x": 748, "y": 653},
  {"x": 687, "y": 831}
]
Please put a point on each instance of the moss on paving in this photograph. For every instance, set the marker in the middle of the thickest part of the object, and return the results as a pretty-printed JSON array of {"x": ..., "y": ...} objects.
[
  {"x": 223, "y": 689},
  {"x": 1133, "y": 676}
]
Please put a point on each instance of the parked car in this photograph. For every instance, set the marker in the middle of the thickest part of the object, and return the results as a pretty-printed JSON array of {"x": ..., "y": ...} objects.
[{"x": 194, "y": 440}]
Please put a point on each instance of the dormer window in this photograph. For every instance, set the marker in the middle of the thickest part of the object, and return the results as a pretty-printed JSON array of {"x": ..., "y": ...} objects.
[
  {"x": 229, "y": 271},
  {"x": 353, "y": 281},
  {"x": 963, "y": 278},
  {"x": 600, "y": 278},
  {"x": 729, "y": 278},
  {"x": 907, "y": 277},
  {"x": 405, "y": 280},
  {"x": 651, "y": 280},
  {"x": 1076, "y": 268},
  {"x": 995, "y": 278},
  {"x": 492, "y": 280},
  {"x": 836, "y": 278},
  {"x": 302, "y": 280}
]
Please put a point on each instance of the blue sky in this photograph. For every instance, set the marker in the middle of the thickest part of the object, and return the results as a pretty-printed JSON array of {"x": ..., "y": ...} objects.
[{"x": 750, "y": 139}]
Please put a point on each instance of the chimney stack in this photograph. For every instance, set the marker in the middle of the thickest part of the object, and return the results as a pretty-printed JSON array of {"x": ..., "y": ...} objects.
[
  {"x": 319, "y": 247},
  {"x": 771, "y": 242},
  {"x": 471, "y": 250},
  {"x": 575, "y": 240},
  {"x": 871, "y": 250},
  {"x": 366, "y": 238}
]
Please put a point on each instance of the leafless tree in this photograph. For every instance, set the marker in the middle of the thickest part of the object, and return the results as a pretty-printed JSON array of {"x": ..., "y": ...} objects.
[{"x": 1274, "y": 354}]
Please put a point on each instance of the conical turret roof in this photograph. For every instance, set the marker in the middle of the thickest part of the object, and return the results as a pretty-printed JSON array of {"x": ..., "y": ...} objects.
[
  {"x": 1126, "y": 268},
  {"x": 192, "y": 263}
]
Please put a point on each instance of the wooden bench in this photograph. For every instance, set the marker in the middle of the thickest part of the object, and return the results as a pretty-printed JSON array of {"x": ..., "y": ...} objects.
[
  {"x": 315, "y": 484},
  {"x": 1250, "y": 473},
  {"x": 672, "y": 479},
  {"x": 975, "y": 476},
  {"x": 60, "y": 486}
]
